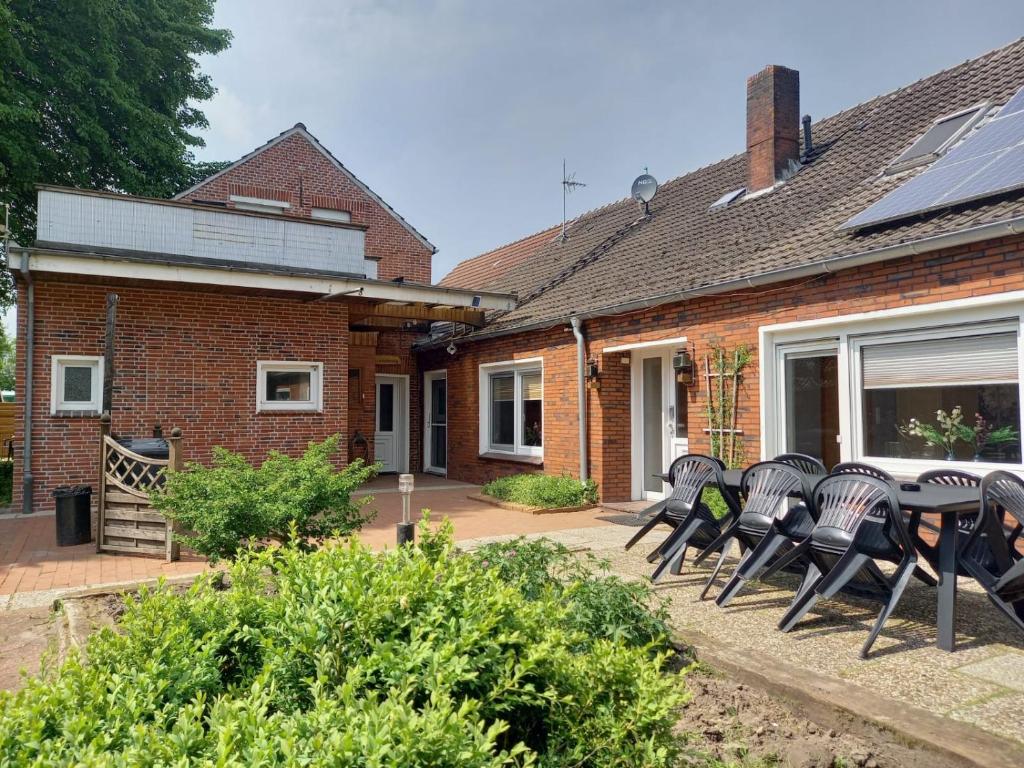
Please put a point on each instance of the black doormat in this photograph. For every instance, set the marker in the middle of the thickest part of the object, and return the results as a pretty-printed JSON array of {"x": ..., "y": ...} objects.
[{"x": 631, "y": 520}]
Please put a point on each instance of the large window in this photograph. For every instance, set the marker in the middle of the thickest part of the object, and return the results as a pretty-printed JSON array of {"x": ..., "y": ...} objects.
[
  {"x": 942, "y": 396},
  {"x": 76, "y": 384},
  {"x": 289, "y": 386},
  {"x": 512, "y": 408}
]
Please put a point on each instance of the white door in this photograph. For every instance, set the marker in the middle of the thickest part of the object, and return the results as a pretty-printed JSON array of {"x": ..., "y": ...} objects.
[
  {"x": 660, "y": 406},
  {"x": 435, "y": 422},
  {"x": 390, "y": 438},
  {"x": 808, "y": 401}
]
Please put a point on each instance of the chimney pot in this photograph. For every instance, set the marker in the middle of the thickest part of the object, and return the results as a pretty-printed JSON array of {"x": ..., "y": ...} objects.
[{"x": 773, "y": 125}]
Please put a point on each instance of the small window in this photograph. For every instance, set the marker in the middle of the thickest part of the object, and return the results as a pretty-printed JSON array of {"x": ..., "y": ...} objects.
[
  {"x": 943, "y": 133},
  {"x": 289, "y": 386},
  {"x": 512, "y": 413},
  {"x": 329, "y": 214},
  {"x": 259, "y": 204},
  {"x": 77, "y": 384},
  {"x": 728, "y": 198}
]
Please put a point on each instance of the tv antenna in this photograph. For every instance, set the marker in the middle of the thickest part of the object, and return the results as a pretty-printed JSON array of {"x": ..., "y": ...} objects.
[
  {"x": 569, "y": 183},
  {"x": 645, "y": 187}
]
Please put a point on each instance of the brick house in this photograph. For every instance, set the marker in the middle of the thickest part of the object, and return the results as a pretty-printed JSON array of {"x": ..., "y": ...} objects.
[
  {"x": 871, "y": 263},
  {"x": 274, "y": 303}
]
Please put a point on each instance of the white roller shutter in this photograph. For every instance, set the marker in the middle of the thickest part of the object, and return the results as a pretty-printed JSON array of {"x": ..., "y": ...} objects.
[{"x": 963, "y": 360}]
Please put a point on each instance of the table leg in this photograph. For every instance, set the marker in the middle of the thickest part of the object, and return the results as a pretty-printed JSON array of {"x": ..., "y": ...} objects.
[{"x": 947, "y": 582}]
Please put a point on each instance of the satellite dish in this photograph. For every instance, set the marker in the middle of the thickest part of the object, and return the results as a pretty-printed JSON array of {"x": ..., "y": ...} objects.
[{"x": 645, "y": 187}]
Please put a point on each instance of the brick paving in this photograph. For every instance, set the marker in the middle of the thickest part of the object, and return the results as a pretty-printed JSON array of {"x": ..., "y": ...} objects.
[{"x": 30, "y": 561}]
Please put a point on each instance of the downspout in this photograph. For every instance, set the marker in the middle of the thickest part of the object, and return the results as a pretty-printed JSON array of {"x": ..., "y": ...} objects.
[
  {"x": 581, "y": 392},
  {"x": 30, "y": 316}
]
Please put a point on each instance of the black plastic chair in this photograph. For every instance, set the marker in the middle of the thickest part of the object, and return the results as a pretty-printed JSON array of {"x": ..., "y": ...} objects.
[
  {"x": 953, "y": 477},
  {"x": 989, "y": 554},
  {"x": 692, "y": 522},
  {"x": 770, "y": 524},
  {"x": 806, "y": 464},
  {"x": 857, "y": 468},
  {"x": 859, "y": 522}
]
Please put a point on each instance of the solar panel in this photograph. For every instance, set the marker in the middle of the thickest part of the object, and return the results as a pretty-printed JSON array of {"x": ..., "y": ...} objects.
[
  {"x": 1016, "y": 104},
  {"x": 988, "y": 162}
]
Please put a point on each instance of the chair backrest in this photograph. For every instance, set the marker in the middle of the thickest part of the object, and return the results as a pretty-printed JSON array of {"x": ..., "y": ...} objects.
[
  {"x": 803, "y": 462},
  {"x": 768, "y": 486},
  {"x": 689, "y": 475},
  {"x": 1004, "y": 490},
  {"x": 847, "y": 500},
  {"x": 950, "y": 477},
  {"x": 856, "y": 468}
]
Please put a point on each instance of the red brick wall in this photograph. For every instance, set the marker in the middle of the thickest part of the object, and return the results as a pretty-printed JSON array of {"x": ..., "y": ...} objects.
[
  {"x": 184, "y": 359},
  {"x": 728, "y": 320},
  {"x": 274, "y": 174}
]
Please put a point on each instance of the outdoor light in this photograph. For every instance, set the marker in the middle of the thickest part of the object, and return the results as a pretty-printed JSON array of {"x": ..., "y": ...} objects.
[
  {"x": 591, "y": 368},
  {"x": 682, "y": 362},
  {"x": 451, "y": 348},
  {"x": 406, "y": 531}
]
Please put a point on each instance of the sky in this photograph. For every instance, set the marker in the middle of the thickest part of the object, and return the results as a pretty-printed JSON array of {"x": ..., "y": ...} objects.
[{"x": 460, "y": 113}]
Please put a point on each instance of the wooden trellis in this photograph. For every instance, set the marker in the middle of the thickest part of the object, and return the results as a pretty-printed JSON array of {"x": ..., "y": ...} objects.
[{"x": 127, "y": 520}]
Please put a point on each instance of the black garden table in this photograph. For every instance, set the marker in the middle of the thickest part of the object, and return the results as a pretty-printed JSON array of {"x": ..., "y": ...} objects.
[{"x": 949, "y": 502}]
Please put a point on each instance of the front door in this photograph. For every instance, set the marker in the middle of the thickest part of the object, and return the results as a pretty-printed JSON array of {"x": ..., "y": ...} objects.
[
  {"x": 390, "y": 438},
  {"x": 435, "y": 406},
  {"x": 809, "y": 401},
  {"x": 660, "y": 407}
]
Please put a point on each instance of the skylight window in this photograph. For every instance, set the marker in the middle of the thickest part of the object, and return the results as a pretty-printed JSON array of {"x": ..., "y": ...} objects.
[
  {"x": 727, "y": 198},
  {"x": 943, "y": 133}
]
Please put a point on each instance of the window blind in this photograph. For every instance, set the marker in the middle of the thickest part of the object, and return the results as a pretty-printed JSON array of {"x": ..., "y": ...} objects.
[
  {"x": 503, "y": 387},
  {"x": 532, "y": 387},
  {"x": 963, "y": 360}
]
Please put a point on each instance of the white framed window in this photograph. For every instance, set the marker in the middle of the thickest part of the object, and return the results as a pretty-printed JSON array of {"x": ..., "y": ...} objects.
[
  {"x": 289, "y": 386},
  {"x": 76, "y": 384},
  {"x": 860, "y": 381},
  {"x": 512, "y": 408},
  {"x": 329, "y": 214},
  {"x": 259, "y": 204}
]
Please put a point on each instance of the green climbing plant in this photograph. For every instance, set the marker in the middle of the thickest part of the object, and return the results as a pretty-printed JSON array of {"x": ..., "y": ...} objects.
[{"x": 721, "y": 401}]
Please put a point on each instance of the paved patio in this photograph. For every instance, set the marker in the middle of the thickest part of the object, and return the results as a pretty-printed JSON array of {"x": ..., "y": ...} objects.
[{"x": 30, "y": 561}]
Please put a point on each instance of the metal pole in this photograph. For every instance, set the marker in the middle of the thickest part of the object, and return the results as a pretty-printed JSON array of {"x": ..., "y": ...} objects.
[{"x": 406, "y": 533}]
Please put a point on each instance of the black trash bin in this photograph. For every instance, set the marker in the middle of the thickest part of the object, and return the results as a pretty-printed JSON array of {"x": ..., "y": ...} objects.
[
  {"x": 151, "y": 448},
  {"x": 74, "y": 516}
]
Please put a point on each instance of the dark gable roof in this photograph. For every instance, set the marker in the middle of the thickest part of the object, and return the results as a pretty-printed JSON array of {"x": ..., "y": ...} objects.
[{"x": 613, "y": 256}]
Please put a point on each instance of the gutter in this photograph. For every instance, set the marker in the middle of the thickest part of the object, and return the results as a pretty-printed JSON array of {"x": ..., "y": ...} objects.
[
  {"x": 581, "y": 393},
  {"x": 1008, "y": 227},
  {"x": 27, "y": 479}
]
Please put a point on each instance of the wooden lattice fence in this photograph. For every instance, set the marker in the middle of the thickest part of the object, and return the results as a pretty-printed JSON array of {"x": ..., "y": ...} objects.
[{"x": 127, "y": 521}]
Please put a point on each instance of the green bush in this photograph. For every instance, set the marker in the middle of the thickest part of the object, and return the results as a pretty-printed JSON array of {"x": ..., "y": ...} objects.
[
  {"x": 6, "y": 481},
  {"x": 547, "y": 491},
  {"x": 232, "y": 504},
  {"x": 713, "y": 498},
  {"x": 342, "y": 657}
]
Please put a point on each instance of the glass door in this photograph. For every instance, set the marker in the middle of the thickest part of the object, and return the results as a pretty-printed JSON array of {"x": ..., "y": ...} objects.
[
  {"x": 436, "y": 422},
  {"x": 810, "y": 401}
]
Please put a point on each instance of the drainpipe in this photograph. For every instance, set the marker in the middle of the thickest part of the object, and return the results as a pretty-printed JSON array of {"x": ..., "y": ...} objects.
[
  {"x": 30, "y": 316},
  {"x": 581, "y": 392}
]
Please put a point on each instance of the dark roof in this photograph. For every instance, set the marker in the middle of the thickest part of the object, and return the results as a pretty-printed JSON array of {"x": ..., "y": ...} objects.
[
  {"x": 614, "y": 255},
  {"x": 488, "y": 267}
]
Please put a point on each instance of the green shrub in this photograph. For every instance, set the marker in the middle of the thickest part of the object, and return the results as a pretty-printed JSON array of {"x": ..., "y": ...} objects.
[
  {"x": 343, "y": 657},
  {"x": 713, "y": 498},
  {"x": 599, "y": 605},
  {"x": 6, "y": 481},
  {"x": 547, "y": 491},
  {"x": 232, "y": 504}
]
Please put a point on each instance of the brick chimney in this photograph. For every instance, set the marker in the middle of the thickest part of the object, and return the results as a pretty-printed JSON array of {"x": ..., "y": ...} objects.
[{"x": 773, "y": 125}]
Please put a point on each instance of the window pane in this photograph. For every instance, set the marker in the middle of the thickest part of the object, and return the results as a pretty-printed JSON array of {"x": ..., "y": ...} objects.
[
  {"x": 386, "y": 408},
  {"x": 906, "y": 385},
  {"x": 77, "y": 384},
  {"x": 533, "y": 427},
  {"x": 288, "y": 385},
  {"x": 812, "y": 406},
  {"x": 682, "y": 408},
  {"x": 503, "y": 410}
]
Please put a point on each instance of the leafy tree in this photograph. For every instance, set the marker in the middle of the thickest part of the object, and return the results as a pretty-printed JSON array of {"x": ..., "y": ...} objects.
[
  {"x": 100, "y": 94},
  {"x": 6, "y": 360}
]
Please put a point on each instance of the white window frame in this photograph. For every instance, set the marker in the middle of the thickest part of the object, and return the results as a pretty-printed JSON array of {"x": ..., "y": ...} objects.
[
  {"x": 896, "y": 166},
  {"x": 331, "y": 214},
  {"x": 518, "y": 368},
  {"x": 316, "y": 386},
  {"x": 57, "y": 365},
  {"x": 980, "y": 314},
  {"x": 259, "y": 204}
]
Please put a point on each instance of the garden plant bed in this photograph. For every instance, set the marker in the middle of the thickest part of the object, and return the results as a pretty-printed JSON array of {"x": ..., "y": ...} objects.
[{"x": 514, "y": 507}]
